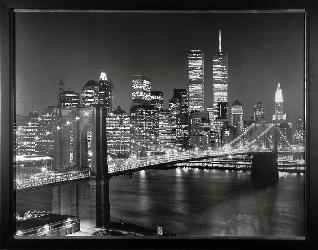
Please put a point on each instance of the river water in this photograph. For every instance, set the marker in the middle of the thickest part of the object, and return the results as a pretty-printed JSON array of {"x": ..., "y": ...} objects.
[{"x": 191, "y": 202}]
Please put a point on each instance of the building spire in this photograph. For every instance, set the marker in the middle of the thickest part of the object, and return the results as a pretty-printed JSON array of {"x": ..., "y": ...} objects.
[
  {"x": 279, "y": 94},
  {"x": 220, "y": 41},
  {"x": 103, "y": 76}
]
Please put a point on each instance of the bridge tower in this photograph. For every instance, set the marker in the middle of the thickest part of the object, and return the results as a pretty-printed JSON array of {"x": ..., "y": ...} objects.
[
  {"x": 102, "y": 176},
  {"x": 264, "y": 170}
]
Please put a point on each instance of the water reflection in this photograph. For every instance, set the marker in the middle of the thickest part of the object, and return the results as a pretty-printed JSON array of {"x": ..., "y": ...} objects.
[{"x": 189, "y": 203}]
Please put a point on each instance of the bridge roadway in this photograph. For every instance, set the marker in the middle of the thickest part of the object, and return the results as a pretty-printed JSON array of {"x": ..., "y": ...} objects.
[{"x": 122, "y": 167}]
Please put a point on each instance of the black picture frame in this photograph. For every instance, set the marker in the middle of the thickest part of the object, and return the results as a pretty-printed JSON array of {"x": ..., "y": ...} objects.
[{"x": 7, "y": 92}]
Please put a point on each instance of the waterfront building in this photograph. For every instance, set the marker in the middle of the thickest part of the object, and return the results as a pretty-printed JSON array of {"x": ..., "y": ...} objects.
[
  {"x": 199, "y": 130},
  {"x": 118, "y": 134},
  {"x": 144, "y": 130},
  {"x": 196, "y": 80},
  {"x": 227, "y": 133},
  {"x": 141, "y": 90},
  {"x": 47, "y": 128},
  {"x": 48, "y": 225},
  {"x": 28, "y": 134},
  {"x": 105, "y": 92},
  {"x": 220, "y": 87},
  {"x": 259, "y": 112},
  {"x": 90, "y": 93},
  {"x": 237, "y": 115},
  {"x": 166, "y": 137},
  {"x": 157, "y": 99},
  {"x": 280, "y": 115}
]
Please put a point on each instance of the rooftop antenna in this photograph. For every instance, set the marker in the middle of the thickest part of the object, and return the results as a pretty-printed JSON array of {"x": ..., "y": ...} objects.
[{"x": 220, "y": 41}]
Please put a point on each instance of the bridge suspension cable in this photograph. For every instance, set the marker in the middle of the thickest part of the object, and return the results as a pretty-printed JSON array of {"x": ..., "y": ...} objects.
[
  {"x": 263, "y": 133},
  {"x": 241, "y": 135}
]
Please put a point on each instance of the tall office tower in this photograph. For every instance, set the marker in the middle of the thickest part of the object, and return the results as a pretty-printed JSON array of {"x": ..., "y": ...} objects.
[
  {"x": 27, "y": 134},
  {"x": 47, "y": 122},
  {"x": 105, "y": 92},
  {"x": 141, "y": 90},
  {"x": 199, "y": 130},
  {"x": 157, "y": 99},
  {"x": 299, "y": 135},
  {"x": 175, "y": 113},
  {"x": 166, "y": 135},
  {"x": 237, "y": 115},
  {"x": 179, "y": 108},
  {"x": 69, "y": 99},
  {"x": 89, "y": 96},
  {"x": 196, "y": 80},
  {"x": 279, "y": 115},
  {"x": 259, "y": 112},
  {"x": 220, "y": 87},
  {"x": 118, "y": 133},
  {"x": 144, "y": 131}
]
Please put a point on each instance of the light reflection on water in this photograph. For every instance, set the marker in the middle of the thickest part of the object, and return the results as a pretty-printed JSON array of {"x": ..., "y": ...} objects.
[{"x": 199, "y": 203}]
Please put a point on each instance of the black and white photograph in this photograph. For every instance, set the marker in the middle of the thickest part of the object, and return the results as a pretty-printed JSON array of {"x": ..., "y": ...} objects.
[{"x": 161, "y": 124}]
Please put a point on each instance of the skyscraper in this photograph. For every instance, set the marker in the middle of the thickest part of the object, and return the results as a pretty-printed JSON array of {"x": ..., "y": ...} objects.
[
  {"x": 279, "y": 115},
  {"x": 105, "y": 92},
  {"x": 141, "y": 90},
  {"x": 118, "y": 133},
  {"x": 220, "y": 87},
  {"x": 69, "y": 99},
  {"x": 157, "y": 99},
  {"x": 196, "y": 80},
  {"x": 259, "y": 112},
  {"x": 237, "y": 115},
  {"x": 89, "y": 96},
  {"x": 27, "y": 134}
]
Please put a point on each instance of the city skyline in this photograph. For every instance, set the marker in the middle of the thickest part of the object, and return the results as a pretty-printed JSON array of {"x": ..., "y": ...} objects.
[{"x": 237, "y": 89}]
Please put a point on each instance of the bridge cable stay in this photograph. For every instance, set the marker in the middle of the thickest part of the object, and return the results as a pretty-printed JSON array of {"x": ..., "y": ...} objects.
[
  {"x": 284, "y": 137},
  {"x": 260, "y": 135},
  {"x": 241, "y": 135}
]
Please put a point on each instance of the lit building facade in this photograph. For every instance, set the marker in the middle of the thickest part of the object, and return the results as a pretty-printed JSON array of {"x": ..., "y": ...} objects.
[
  {"x": 157, "y": 99},
  {"x": 69, "y": 99},
  {"x": 199, "y": 130},
  {"x": 105, "y": 92},
  {"x": 46, "y": 129},
  {"x": 196, "y": 80},
  {"x": 141, "y": 90},
  {"x": 27, "y": 134},
  {"x": 166, "y": 137},
  {"x": 89, "y": 96},
  {"x": 118, "y": 134},
  {"x": 144, "y": 130},
  {"x": 237, "y": 115},
  {"x": 220, "y": 87},
  {"x": 280, "y": 115},
  {"x": 259, "y": 112}
]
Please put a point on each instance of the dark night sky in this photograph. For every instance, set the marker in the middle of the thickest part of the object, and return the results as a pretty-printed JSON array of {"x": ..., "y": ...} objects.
[{"x": 263, "y": 49}]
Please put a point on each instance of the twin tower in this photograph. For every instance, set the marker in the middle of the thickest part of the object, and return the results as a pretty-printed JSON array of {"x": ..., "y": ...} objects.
[{"x": 220, "y": 84}]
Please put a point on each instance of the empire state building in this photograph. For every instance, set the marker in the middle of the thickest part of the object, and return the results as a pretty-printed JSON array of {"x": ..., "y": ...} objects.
[{"x": 279, "y": 116}]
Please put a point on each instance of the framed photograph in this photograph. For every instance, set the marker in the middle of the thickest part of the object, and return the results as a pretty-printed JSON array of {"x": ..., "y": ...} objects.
[{"x": 125, "y": 125}]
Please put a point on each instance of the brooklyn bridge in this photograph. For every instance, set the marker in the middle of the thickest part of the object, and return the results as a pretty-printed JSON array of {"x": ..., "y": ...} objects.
[{"x": 255, "y": 150}]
